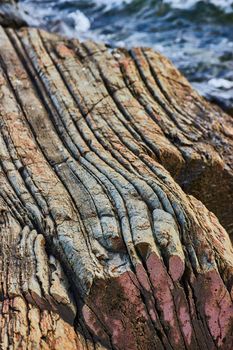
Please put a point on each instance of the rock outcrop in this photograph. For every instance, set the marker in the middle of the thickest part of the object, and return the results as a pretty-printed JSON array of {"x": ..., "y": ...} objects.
[{"x": 108, "y": 163}]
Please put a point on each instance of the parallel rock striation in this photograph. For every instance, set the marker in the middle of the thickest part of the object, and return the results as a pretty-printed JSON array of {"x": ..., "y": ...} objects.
[{"x": 101, "y": 248}]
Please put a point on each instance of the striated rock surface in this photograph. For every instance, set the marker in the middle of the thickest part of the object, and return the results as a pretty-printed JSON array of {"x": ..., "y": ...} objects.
[{"x": 103, "y": 245}]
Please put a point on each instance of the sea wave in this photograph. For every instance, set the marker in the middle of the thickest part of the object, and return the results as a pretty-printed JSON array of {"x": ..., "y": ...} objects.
[
  {"x": 226, "y": 5},
  {"x": 109, "y": 4},
  {"x": 196, "y": 35}
]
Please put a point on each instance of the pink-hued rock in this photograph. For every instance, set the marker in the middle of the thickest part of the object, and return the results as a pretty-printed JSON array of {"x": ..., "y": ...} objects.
[
  {"x": 176, "y": 267},
  {"x": 216, "y": 306},
  {"x": 117, "y": 305},
  {"x": 162, "y": 288}
]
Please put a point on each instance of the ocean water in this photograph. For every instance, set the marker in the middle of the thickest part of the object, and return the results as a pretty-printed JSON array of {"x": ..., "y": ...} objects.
[{"x": 196, "y": 35}]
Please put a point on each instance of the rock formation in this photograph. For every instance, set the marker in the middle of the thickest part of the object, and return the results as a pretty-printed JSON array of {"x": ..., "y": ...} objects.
[{"x": 108, "y": 163}]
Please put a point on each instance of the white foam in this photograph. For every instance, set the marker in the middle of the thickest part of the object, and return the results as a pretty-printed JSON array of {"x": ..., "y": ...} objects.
[
  {"x": 81, "y": 22},
  {"x": 181, "y": 4},
  {"x": 225, "y": 4},
  {"x": 219, "y": 83},
  {"x": 186, "y": 4},
  {"x": 112, "y": 3}
]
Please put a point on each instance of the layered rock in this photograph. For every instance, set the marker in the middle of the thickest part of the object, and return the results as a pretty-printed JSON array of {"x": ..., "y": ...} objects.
[{"x": 101, "y": 247}]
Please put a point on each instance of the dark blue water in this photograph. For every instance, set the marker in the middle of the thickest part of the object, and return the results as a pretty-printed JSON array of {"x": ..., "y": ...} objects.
[{"x": 196, "y": 35}]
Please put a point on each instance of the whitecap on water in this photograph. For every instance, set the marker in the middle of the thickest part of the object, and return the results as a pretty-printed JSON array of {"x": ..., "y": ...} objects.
[
  {"x": 187, "y": 4},
  {"x": 112, "y": 3},
  {"x": 81, "y": 22},
  {"x": 221, "y": 83},
  {"x": 69, "y": 23},
  {"x": 217, "y": 90}
]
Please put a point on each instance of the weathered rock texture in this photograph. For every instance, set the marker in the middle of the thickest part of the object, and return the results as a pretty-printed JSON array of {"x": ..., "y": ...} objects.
[{"x": 100, "y": 246}]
